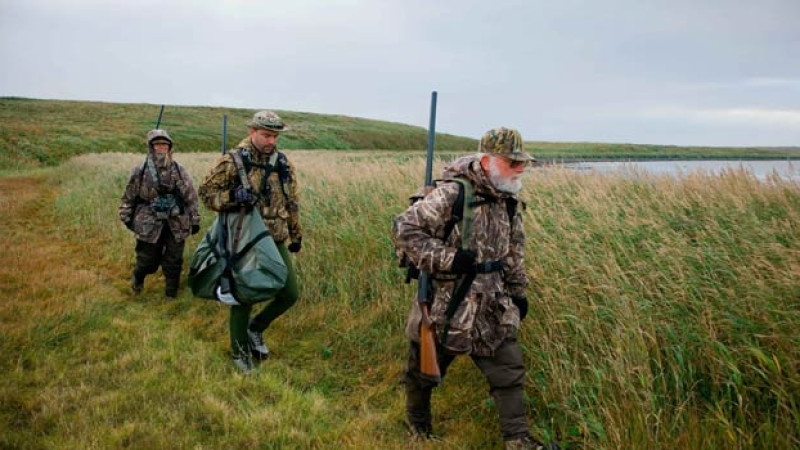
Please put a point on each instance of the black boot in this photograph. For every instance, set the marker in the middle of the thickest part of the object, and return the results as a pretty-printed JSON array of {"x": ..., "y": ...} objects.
[
  {"x": 137, "y": 283},
  {"x": 171, "y": 289}
]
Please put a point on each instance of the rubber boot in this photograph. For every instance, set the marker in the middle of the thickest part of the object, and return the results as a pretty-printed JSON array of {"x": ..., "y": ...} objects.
[
  {"x": 137, "y": 283},
  {"x": 171, "y": 287}
]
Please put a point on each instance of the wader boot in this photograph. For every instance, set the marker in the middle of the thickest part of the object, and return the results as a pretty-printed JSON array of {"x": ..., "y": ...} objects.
[
  {"x": 171, "y": 287},
  {"x": 527, "y": 443},
  {"x": 258, "y": 347},
  {"x": 244, "y": 364},
  {"x": 137, "y": 283}
]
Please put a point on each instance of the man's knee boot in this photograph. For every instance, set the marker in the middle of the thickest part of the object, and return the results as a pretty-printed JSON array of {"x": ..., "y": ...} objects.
[
  {"x": 137, "y": 282},
  {"x": 171, "y": 287}
]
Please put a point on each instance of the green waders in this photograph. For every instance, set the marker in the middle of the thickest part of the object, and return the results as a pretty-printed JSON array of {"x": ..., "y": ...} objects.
[{"x": 240, "y": 315}]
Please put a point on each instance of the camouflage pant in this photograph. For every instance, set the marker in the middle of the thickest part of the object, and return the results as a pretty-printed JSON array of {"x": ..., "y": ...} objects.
[
  {"x": 167, "y": 253},
  {"x": 505, "y": 373},
  {"x": 283, "y": 300}
]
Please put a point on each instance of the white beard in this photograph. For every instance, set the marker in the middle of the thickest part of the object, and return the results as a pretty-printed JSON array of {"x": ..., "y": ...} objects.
[{"x": 511, "y": 185}]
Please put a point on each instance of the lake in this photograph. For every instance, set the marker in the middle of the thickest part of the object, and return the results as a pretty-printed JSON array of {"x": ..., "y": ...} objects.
[{"x": 759, "y": 168}]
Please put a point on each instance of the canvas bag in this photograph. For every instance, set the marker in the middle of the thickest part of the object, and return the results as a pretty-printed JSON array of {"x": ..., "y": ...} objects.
[{"x": 238, "y": 246}]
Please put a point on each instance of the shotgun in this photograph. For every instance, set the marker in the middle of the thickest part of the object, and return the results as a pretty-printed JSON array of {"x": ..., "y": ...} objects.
[
  {"x": 429, "y": 366},
  {"x": 160, "y": 114}
]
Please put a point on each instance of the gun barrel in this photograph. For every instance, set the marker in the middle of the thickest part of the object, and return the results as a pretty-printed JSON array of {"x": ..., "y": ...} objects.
[
  {"x": 431, "y": 140},
  {"x": 423, "y": 287},
  {"x": 224, "y": 133},
  {"x": 160, "y": 114}
]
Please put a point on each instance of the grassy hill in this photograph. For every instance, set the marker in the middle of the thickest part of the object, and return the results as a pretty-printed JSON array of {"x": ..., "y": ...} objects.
[
  {"x": 37, "y": 133},
  {"x": 46, "y": 132}
]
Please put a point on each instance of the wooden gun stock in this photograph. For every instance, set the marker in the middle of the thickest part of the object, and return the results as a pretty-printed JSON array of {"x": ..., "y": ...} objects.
[{"x": 428, "y": 363}]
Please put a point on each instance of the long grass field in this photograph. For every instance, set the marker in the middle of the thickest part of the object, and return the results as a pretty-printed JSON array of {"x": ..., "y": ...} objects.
[{"x": 664, "y": 314}]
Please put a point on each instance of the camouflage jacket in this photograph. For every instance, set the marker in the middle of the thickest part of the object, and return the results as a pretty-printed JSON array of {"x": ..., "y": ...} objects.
[
  {"x": 140, "y": 193},
  {"x": 278, "y": 201},
  {"x": 486, "y": 316}
]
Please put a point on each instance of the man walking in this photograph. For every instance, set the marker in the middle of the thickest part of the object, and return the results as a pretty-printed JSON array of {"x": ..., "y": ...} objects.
[
  {"x": 274, "y": 194},
  {"x": 480, "y": 319},
  {"x": 160, "y": 206}
]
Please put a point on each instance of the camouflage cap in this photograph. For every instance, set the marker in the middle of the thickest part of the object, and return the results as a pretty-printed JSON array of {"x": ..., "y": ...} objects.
[
  {"x": 504, "y": 141},
  {"x": 267, "y": 120},
  {"x": 158, "y": 135}
]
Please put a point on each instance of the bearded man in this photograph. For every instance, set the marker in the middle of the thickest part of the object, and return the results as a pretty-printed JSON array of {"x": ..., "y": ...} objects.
[
  {"x": 275, "y": 194},
  {"x": 160, "y": 207},
  {"x": 484, "y": 322}
]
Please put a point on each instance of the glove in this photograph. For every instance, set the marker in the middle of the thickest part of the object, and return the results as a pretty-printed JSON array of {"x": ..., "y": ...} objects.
[
  {"x": 294, "y": 247},
  {"x": 463, "y": 262},
  {"x": 129, "y": 224},
  {"x": 241, "y": 195},
  {"x": 522, "y": 304},
  {"x": 195, "y": 229}
]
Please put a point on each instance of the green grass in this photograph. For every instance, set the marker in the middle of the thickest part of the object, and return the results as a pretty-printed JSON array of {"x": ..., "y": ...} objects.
[
  {"x": 664, "y": 314},
  {"x": 36, "y": 133},
  {"x": 47, "y": 132}
]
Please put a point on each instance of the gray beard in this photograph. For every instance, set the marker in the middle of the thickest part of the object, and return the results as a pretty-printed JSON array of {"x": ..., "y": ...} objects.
[{"x": 510, "y": 185}]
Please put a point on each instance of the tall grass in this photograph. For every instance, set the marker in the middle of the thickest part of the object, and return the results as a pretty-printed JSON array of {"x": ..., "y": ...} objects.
[{"x": 664, "y": 315}]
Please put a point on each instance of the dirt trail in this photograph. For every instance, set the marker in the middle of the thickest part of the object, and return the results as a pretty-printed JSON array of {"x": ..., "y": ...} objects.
[{"x": 35, "y": 262}]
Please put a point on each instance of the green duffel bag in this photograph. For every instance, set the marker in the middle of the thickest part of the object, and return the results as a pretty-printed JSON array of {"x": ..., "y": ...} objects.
[{"x": 237, "y": 262}]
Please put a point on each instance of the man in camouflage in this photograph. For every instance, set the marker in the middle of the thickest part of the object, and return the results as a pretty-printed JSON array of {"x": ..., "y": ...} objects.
[
  {"x": 485, "y": 323},
  {"x": 274, "y": 193},
  {"x": 160, "y": 206}
]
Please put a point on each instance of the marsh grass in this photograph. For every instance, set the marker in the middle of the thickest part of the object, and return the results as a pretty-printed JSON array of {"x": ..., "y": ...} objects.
[{"x": 664, "y": 315}]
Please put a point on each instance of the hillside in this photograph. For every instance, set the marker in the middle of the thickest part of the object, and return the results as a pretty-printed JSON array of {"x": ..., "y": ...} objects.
[
  {"x": 46, "y": 132},
  {"x": 36, "y": 133}
]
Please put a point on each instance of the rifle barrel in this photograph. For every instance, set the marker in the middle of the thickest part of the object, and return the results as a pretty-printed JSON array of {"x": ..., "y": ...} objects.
[
  {"x": 160, "y": 114},
  {"x": 224, "y": 133},
  {"x": 423, "y": 286},
  {"x": 431, "y": 140}
]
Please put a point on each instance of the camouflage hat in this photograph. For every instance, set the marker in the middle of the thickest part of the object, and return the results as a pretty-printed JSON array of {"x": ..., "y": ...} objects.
[
  {"x": 504, "y": 141},
  {"x": 158, "y": 135},
  {"x": 267, "y": 120}
]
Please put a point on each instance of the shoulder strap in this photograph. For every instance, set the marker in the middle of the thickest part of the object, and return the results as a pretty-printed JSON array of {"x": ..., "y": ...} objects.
[
  {"x": 462, "y": 214},
  {"x": 237, "y": 161}
]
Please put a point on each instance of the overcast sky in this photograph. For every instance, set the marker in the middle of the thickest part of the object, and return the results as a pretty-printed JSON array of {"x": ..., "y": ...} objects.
[{"x": 683, "y": 72}]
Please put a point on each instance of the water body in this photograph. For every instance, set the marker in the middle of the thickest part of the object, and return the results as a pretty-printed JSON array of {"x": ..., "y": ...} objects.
[{"x": 761, "y": 169}]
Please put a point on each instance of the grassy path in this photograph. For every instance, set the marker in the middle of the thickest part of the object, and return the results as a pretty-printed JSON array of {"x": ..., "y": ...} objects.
[{"x": 86, "y": 365}]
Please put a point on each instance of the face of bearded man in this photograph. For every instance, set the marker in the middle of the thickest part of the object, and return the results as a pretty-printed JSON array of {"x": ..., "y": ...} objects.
[
  {"x": 502, "y": 177},
  {"x": 161, "y": 154}
]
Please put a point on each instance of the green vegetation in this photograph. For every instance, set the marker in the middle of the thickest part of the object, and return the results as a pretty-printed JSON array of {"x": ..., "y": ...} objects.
[
  {"x": 665, "y": 314},
  {"x": 35, "y": 133},
  {"x": 47, "y": 132}
]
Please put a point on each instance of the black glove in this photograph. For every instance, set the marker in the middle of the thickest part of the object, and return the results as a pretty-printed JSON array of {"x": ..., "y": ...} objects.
[
  {"x": 241, "y": 195},
  {"x": 129, "y": 224},
  {"x": 522, "y": 304},
  {"x": 463, "y": 262},
  {"x": 195, "y": 229},
  {"x": 294, "y": 247}
]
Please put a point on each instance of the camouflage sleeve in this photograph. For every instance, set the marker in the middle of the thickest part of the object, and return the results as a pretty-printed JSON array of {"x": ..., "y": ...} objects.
[
  {"x": 189, "y": 195},
  {"x": 216, "y": 186},
  {"x": 128, "y": 203},
  {"x": 293, "y": 206},
  {"x": 514, "y": 275},
  {"x": 419, "y": 229}
]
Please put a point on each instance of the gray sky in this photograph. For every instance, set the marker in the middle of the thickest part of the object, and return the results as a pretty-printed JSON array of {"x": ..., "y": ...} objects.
[{"x": 683, "y": 72}]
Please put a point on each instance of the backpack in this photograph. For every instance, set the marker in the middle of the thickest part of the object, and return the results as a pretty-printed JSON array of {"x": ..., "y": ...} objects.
[
  {"x": 237, "y": 262},
  {"x": 460, "y": 215}
]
